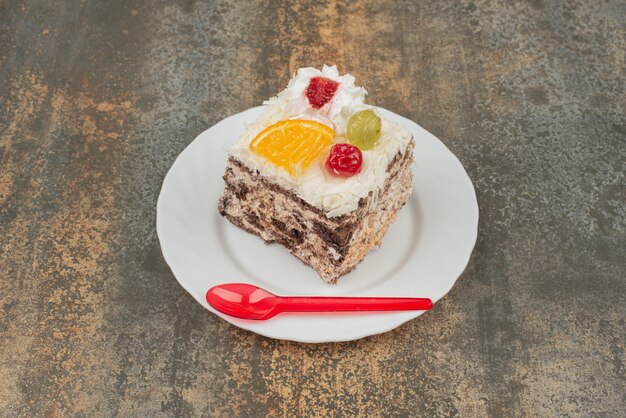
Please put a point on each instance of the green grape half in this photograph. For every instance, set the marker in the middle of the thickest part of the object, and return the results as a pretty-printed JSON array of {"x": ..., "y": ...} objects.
[{"x": 364, "y": 129}]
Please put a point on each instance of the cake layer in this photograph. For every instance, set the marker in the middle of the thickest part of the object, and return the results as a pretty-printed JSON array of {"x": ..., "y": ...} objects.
[
  {"x": 333, "y": 246},
  {"x": 335, "y": 196}
]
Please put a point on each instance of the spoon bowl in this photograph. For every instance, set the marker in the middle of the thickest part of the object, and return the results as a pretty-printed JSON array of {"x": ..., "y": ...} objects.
[{"x": 243, "y": 300}]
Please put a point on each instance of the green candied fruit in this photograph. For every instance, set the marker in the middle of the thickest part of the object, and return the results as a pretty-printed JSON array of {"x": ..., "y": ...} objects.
[{"x": 364, "y": 129}]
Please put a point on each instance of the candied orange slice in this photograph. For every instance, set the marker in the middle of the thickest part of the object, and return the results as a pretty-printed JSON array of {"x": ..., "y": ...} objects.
[{"x": 292, "y": 144}]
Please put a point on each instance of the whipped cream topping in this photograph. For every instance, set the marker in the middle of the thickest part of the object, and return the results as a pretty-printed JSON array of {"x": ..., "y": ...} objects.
[
  {"x": 335, "y": 196},
  {"x": 292, "y": 103}
]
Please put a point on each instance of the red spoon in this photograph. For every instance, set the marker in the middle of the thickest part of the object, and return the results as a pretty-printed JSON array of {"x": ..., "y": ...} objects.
[{"x": 251, "y": 302}]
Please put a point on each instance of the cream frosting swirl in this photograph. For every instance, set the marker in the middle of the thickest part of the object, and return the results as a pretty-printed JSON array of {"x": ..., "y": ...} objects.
[
  {"x": 335, "y": 196},
  {"x": 292, "y": 103}
]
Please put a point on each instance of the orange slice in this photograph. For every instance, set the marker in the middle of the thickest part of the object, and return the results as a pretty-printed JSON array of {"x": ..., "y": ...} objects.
[{"x": 292, "y": 144}]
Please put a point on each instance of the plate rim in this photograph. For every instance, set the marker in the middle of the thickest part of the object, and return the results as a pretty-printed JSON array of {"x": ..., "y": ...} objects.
[{"x": 242, "y": 324}]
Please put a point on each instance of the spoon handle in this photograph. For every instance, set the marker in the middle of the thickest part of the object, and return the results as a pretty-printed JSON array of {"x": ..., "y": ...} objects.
[{"x": 343, "y": 304}]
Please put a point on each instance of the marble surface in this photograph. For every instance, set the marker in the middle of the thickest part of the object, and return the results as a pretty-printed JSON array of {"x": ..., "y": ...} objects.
[{"x": 99, "y": 97}]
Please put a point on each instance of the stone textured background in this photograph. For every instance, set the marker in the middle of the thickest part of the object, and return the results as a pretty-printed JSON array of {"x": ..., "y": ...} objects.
[{"x": 97, "y": 98}]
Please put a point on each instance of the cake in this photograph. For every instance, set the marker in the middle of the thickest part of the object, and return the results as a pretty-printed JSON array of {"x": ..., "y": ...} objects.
[{"x": 319, "y": 172}]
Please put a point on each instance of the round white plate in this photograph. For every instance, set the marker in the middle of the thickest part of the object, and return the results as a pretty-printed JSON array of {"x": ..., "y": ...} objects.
[{"x": 422, "y": 255}]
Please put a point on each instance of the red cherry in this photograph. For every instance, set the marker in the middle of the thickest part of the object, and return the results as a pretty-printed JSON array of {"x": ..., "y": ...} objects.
[
  {"x": 321, "y": 91},
  {"x": 344, "y": 160}
]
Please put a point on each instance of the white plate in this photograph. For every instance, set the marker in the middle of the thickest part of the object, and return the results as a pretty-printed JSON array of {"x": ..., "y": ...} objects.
[{"x": 422, "y": 255}]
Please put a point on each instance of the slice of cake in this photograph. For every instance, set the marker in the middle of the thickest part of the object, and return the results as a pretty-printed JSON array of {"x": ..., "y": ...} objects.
[{"x": 319, "y": 172}]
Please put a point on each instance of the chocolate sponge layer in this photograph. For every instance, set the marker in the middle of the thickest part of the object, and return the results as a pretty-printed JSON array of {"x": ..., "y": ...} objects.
[{"x": 332, "y": 246}]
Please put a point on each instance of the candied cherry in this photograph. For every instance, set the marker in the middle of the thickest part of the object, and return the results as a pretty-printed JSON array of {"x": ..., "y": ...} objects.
[
  {"x": 320, "y": 91},
  {"x": 344, "y": 160}
]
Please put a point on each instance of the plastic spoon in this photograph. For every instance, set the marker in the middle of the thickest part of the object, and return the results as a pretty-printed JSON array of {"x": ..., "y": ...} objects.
[{"x": 247, "y": 301}]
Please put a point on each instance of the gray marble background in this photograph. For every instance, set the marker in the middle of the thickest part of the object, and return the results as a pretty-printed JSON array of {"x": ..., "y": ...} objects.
[{"x": 97, "y": 98}]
